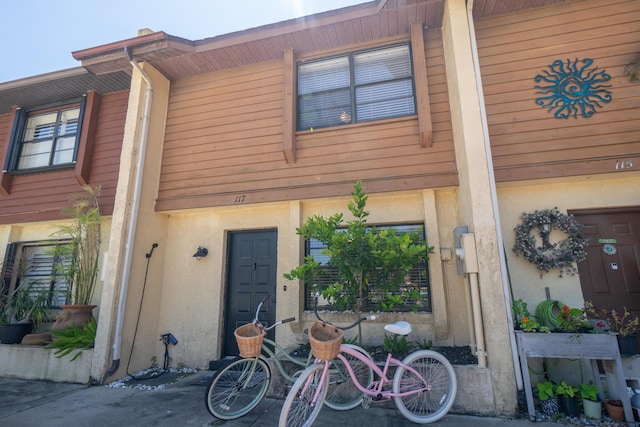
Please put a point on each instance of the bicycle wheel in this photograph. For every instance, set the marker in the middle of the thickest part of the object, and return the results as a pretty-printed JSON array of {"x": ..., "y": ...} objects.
[
  {"x": 298, "y": 409},
  {"x": 237, "y": 388},
  {"x": 343, "y": 393},
  {"x": 437, "y": 374}
]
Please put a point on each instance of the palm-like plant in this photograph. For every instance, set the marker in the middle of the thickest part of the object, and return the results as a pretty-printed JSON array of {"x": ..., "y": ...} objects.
[{"x": 78, "y": 259}]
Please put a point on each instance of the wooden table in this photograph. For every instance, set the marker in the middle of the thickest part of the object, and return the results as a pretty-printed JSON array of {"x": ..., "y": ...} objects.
[{"x": 574, "y": 346}]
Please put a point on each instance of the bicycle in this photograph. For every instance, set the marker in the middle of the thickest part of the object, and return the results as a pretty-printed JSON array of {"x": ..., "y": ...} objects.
[
  {"x": 423, "y": 388},
  {"x": 240, "y": 385}
]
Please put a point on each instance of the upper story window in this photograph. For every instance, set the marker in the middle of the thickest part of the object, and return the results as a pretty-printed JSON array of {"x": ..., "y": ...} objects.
[
  {"x": 49, "y": 139},
  {"x": 45, "y": 138},
  {"x": 358, "y": 87}
]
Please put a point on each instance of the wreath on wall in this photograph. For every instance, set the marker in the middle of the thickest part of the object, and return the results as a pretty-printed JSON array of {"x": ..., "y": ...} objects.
[{"x": 560, "y": 255}]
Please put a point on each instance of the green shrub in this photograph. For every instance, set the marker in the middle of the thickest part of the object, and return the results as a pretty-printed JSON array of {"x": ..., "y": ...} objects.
[{"x": 74, "y": 338}]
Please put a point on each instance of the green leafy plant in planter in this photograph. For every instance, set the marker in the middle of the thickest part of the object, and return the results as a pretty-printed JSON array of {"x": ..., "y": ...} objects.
[
  {"x": 548, "y": 398},
  {"x": 573, "y": 320},
  {"x": 74, "y": 338},
  {"x": 589, "y": 391},
  {"x": 365, "y": 258},
  {"x": 568, "y": 398},
  {"x": 590, "y": 402}
]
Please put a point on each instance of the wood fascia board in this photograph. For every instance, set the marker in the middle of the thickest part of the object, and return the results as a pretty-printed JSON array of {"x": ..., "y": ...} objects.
[
  {"x": 87, "y": 137},
  {"x": 422, "y": 84},
  {"x": 290, "y": 26},
  {"x": 289, "y": 128},
  {"x": 6, "y": 178},
  {"x": 159, "y": 40}
]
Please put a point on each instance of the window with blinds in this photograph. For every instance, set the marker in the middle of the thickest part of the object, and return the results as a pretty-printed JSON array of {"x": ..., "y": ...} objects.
[
  {"x": 38, "y": 273},
  {"x": 416, "y": 282},
  {"x": 358, "y": 87},
  {"x": 49, "y": 139}
]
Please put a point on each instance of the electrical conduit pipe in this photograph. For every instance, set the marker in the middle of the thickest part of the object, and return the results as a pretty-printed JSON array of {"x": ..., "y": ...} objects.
[{"x": 133, "y": 220}]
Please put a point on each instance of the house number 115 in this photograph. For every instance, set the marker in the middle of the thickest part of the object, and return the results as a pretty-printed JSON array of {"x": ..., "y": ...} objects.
[{"x": 624, "y": 164}]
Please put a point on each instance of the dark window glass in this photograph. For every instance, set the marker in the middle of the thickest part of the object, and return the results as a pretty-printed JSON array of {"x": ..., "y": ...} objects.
[
  {"x": 417, "y": 279},
  {"x": 358, "y": 87}
]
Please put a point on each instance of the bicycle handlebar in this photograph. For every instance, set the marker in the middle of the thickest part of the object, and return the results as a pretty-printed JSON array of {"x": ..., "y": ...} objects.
[
  {"x": 344, "y": 328},
  {"x": 259, "y": 324}
]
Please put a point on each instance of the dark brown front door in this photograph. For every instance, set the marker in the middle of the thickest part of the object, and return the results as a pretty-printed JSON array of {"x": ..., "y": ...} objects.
[
  {"x": 251, "y": 275},
  {"x": 610, "y": 276}
]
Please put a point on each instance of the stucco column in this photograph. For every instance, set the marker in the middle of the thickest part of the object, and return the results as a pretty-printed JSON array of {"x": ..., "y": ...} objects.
[
  {"x": 475, "y": 199},
  {"x": 150, "y": 225}
]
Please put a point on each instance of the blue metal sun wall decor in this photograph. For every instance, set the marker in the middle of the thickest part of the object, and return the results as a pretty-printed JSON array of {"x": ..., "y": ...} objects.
[{"x": 572, "y": 88}]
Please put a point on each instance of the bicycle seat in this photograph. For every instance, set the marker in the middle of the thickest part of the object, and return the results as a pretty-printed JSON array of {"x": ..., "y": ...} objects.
[{"x": 399, "y": 328}]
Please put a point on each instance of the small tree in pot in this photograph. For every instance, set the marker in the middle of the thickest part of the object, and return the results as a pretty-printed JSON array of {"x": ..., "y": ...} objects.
[{"x": 364, "y": 257}]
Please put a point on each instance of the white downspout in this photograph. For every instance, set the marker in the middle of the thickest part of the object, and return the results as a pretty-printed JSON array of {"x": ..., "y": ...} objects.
[
  {"x": 133, "y": 220},
  {"x": 494, "y": 198}
]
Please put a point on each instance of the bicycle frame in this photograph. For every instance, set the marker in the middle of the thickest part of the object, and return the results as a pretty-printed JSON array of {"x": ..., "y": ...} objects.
[
  {"x": 378, "y": 391},
  {"x": 278, "y": 349}
]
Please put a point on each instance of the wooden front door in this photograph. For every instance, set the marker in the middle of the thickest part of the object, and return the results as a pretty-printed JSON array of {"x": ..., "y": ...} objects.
[
  {"x": 610, "y": 276},
  {"x": 251, "y": 275}
]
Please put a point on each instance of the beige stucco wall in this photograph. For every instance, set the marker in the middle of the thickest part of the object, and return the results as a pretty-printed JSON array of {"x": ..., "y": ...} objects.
[
  {"x": 589, "y": 192},
  {"x": 193, "y": 292}
]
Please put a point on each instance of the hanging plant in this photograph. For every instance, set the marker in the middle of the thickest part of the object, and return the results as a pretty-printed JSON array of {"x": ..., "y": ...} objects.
[{"x": 551, "y": 256}]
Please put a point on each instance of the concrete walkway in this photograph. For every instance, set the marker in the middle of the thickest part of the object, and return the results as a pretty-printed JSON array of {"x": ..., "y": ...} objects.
[{"x": 27, "y": 403}]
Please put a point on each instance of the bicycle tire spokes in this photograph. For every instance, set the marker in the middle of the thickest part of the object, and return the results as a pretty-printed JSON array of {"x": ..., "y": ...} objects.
[
  {"x": 343, "y": 394},
  {"x": 304, "y": 401},
  {"x": 433, "y": 381},
  {"x": 237, "y": 388}
]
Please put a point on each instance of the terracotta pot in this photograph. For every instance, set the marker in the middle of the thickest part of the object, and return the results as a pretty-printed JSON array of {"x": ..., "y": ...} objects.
[
  {"x": 78, "y": 314},
  {"x": 614, "y": 411}
]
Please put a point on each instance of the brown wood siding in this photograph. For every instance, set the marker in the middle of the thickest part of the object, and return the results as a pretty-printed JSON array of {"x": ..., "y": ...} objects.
[
  {"x": 39, "y": 197},
  {"x": 527, "y": 141},
  {"x": 224, "y": 143}
]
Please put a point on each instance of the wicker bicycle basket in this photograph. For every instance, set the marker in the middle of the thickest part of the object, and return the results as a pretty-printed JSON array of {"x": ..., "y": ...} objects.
[
  {"x": 325, "y": 340},
  {"x": 249, "y": 338}
]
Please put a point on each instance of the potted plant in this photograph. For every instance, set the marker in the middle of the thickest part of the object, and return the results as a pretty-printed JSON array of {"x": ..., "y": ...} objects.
[
  {"x": 615, "y": 409},
  {"x": 24, "y": 306},
  {"x": 573, "y": 320},
  {"x": 364, "y": 257},
  {"x": 548, "y": 398},
  {"x": 568, "y": 399},
  {"x": 622, "y": 323},
  {"x": 590, "y": 402},
  {"x": 79, "y": 257}
]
